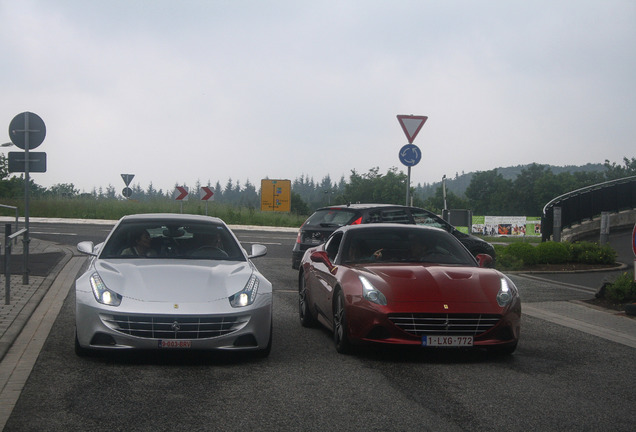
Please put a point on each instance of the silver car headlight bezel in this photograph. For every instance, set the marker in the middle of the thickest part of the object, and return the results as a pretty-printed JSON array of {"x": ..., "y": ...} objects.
[
  {"x": 102, "y": 293},
  {"x": 247, "y": 295}
]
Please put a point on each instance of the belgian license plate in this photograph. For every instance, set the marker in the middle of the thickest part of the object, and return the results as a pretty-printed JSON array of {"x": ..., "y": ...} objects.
[
  {"x": 447, "y": 341},
  {"x": 175, "y": 344}
]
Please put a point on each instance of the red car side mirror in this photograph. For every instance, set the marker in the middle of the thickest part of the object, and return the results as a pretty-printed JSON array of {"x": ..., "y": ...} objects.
[
  {"x": 322, "y": 257},
  {"x": 484, "y": 260}
]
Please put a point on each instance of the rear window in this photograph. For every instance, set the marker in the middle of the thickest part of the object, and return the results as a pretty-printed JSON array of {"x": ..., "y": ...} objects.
[
  {"x": 424, "y": 218},
  {"x": 331, "y": 218}
]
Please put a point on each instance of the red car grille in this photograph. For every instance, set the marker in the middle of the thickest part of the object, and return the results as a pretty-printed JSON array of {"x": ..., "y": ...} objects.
[
  {"x": 445, "y": 324},
  {"x": 175, "y": 326}
]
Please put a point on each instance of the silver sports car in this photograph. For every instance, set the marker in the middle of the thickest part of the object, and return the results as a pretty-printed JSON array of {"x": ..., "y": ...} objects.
[{"x": 172, "y": 281}]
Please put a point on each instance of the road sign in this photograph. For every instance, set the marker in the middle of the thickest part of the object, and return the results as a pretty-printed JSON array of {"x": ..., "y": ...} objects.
[
  {"x": 276, "y": 195},
  {"x": 127, "y": 178},
  {"x": 181, "y": 193},
  {"x": 126, "y": 192},
  {"x": 410, "y": 155},
  {"x": 206, "y": 193},
  {"x": 411, "y": 125},
  {"x": 17, "y": 162},
  {"x": 27, "y": 123}
]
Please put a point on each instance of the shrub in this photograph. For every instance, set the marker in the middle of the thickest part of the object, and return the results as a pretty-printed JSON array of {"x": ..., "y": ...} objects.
[
  {"x": 508, "y": 262},
  {"x": 623, "y": 289},
  {"x": 552, "y": 253},
  {"x": 522, "y": 251},
  {"x": 592, "y": 253}
]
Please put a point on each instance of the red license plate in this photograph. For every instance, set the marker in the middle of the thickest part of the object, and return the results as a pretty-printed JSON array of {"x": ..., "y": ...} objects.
[{"x": 168, "y": 344}]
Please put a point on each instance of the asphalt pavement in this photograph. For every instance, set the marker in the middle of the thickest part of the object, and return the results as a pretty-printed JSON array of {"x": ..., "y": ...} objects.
[{"x": 25, "y": 320}]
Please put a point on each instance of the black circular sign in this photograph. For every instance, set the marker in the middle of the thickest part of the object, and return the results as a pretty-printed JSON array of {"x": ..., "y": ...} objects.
[
  {"x": 18, "y": 130},
  {"x": 127, "y": 192}
]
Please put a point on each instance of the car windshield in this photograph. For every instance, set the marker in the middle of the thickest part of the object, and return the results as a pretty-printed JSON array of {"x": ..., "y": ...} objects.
[
  {"x": 404, "y": 245},
  {"x": 330, "y": 218},
  {"x": 172, "y": 239}
]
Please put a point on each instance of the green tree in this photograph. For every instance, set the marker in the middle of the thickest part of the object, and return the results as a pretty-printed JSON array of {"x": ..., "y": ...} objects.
[
  {"x": 615, "y": 171},
  {"x": 490, "y": 194}
]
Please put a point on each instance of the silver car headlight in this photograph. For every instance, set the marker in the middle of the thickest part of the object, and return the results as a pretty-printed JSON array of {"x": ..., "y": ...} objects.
[
  {"x": 102, "y": 294},
  {"x": 506, "y": 292},
  {"x": 247, "y": 295},
  {"x": 370, "y": 292}
]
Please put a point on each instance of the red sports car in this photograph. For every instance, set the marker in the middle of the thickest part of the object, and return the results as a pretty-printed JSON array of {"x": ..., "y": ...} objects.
[{"x": 409, "y": 285}]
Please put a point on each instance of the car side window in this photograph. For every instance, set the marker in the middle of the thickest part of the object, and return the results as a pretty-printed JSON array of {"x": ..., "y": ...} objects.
[
  {"x": 423, "y": 218},
  {"x": 395, "y": 216},
  {"x": 332, "y": 246}
]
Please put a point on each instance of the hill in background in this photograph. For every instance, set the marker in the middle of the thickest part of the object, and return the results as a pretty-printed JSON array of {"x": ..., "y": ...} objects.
[{"x": 459, "y": 184}]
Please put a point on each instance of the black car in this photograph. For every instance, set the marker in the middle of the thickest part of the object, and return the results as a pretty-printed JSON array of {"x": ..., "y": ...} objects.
[{"x": 326, "y": 220}]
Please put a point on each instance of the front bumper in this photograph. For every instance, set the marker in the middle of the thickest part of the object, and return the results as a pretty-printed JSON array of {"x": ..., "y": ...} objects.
[{"x": 221, "y": 327}]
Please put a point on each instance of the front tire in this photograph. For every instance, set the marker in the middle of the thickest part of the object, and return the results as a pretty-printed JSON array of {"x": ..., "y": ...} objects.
[{"x": 340, "y": 326}]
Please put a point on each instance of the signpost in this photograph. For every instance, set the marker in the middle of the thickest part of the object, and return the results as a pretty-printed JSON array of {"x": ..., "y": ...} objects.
[
  {"x": 276, "y": 195},
  {"x": 127, "y": 178},
  {"x": 206, "y": 194},
  {"x": 410, "y": 154},
  {"x": 181, "y": 195},
  {"x": 27, "y": 131}
]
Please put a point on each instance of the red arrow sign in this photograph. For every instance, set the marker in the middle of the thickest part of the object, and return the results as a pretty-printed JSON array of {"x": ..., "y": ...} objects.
[
  {"x": 181, "y": 193},
  {"x": 411, "y": 125},
  {"x": 206, "y": 193}
]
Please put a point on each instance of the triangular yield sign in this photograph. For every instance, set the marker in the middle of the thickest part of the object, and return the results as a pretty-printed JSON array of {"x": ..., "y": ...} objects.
[
  {"x": 127, "y": 178},
  {"x": 411, "y": 125}
]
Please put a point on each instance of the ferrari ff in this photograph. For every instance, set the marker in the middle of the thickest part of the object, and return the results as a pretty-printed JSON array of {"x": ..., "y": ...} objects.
[
  {"x": 410, "y": 285},
  {"x": 172, "y": 281}
]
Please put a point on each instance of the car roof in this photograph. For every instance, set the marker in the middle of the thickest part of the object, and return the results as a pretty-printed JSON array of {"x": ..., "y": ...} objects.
[
  {"x": 170, "y": 217},
  {"x": 359, "y": 206},
  {"x": 397, "y": 226}
]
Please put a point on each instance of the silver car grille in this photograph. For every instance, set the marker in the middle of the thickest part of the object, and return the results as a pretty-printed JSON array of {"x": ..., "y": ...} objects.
[
  {"x": 175, "y": 326},
  {"x": 445, "y": 324}
]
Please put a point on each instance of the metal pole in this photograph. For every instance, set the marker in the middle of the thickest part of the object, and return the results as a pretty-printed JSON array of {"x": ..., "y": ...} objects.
[
  {"x": 7, "y": 273},
  {"x": 444, "y": 190},
  {"x": 408, "y": 185},
  {"x": 26, "y": 239}
]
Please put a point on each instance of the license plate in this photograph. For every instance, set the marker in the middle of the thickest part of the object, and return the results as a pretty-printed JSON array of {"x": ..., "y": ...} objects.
[
  {"x": 175, "y": 344},
  {"x": 447, "y": 341}
]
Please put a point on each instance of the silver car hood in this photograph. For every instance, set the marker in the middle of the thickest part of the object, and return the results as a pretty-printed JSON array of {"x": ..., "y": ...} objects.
[{"x": 160, "y": 280}]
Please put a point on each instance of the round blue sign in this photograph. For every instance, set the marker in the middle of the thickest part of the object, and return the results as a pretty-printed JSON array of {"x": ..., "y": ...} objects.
[{"x": 410, "y": 155}]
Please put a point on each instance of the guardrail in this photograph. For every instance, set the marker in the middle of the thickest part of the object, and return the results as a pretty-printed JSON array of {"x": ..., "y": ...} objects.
[
  {"x": 17, "y": 218},
  {"x": 586, "y": 203},
  {"x": 7, "y": 260}
]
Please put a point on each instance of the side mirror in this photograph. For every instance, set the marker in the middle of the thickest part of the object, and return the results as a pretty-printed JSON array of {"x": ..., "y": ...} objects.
[
  {"x": 258, "y": 250},
  {"x": 484, "y": 260},
  {"x": 86, "y": 247},
  {"x": 322, "y": 257}
]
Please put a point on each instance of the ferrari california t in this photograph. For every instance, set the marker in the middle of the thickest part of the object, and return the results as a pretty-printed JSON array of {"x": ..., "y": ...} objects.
[
  {"x": 172, "y": 281},
  {"x": 409, "y": 285}
]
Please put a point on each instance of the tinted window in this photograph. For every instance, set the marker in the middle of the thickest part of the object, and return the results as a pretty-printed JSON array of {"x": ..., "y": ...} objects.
[
  {"x": 332, "y": 245},
  {"x": 389, "y": 216},
  {"x": 331, "y": 218},
  {"x": 173, "y": 239},
  {"x": 404, "y": 245},
  {"x": 422, "y": 217}
]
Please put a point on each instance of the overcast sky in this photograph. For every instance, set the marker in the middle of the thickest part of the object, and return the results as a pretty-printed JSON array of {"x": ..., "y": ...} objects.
[{"x": 179, "y": 91}]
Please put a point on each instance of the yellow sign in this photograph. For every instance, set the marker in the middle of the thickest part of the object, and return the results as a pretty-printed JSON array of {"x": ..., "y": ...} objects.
[{"x": 276, "y": 195}]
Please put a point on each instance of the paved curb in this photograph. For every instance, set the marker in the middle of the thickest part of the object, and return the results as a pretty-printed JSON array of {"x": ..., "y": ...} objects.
[{"x": 17, "y": 324}]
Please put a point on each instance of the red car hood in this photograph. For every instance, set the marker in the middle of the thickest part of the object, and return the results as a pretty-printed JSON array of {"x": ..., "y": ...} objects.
[{"x": 434, "y": 283}]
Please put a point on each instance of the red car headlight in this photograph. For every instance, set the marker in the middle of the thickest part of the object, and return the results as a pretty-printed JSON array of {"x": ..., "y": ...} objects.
[{"x": 370, "y": 292}]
